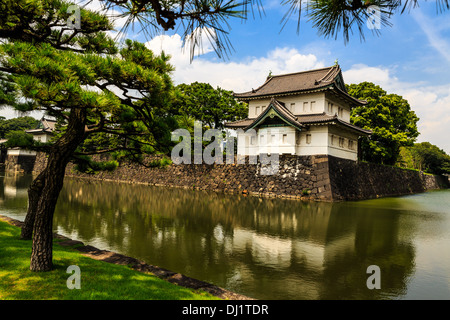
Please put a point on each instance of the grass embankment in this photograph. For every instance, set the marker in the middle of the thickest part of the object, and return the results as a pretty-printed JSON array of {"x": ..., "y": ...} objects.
[{"x": 99, "y": 280}]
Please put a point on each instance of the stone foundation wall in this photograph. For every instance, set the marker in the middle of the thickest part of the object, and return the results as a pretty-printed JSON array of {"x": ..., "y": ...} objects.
[
  {"x": 321, "y": 177},
  {"x": 359, "y": 180},
  {"x": 21, "y": 163},
  {"x": 297, "y": 177}
]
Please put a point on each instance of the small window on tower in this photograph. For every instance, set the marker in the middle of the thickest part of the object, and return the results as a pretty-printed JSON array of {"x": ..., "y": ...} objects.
[
  {"x": 284, "y": 138},
  {"x": 308, "y": 138},
  {"x": 350, "y": 144}
]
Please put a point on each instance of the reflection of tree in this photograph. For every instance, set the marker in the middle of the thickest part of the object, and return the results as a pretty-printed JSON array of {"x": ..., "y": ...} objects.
[{"x": 374, "y": 240}]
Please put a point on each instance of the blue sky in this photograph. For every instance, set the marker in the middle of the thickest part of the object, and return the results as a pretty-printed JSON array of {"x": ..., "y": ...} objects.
[{"x": 411, "y": 58}]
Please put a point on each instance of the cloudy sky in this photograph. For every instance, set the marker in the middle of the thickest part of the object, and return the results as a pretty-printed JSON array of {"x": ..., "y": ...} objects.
[{"x": 411, "y": 58}]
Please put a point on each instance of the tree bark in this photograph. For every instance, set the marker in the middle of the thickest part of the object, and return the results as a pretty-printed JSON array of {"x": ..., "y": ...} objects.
[
  {"x": 34, "y": 193},
  {"x": 52, "y": 182}
]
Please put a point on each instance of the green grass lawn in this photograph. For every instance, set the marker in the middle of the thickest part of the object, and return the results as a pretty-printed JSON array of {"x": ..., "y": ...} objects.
[{"x": 99, "y": 280}]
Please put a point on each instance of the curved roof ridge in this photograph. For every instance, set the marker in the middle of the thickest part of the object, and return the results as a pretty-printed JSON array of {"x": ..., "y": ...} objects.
[
  {"x": 299, "y": 72},
  {"x": 330, "y": 76}
]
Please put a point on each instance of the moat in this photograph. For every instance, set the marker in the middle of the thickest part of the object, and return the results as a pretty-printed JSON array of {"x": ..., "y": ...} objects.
[{"x": 262, "y": 248}]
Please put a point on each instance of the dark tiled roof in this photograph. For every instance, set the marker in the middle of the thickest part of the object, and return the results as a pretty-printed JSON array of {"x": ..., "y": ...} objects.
[
  {"x": 306, "y": 81},
  {"x": 292, "y": 82},
  {"x": 49, "y": 125},
  {"x": 45, "y": 125},
  {"x": 326, "y": 118},
  {"x": 239, "y": 123}
]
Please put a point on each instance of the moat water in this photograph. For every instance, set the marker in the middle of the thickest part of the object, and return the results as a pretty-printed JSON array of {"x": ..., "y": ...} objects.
[{"x": 262, "y": 248}]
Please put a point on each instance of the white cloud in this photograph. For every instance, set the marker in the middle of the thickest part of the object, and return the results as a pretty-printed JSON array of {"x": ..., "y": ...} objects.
[
  {"x": 430, "y": 103},
  {"x": 360, "y": 72},
  {"x": 432, "y": 33},
  {"x": 230, "y": 75}
]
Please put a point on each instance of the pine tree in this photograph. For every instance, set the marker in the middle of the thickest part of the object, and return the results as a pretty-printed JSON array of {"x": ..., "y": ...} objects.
[{"x": 90, "y": 85}]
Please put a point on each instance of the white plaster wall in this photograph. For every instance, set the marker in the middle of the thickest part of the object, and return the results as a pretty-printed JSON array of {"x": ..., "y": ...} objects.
[
  {"x": 21, "y": 152},
  {"x": 336, "y": 104},
  {"x": 342, "y": 153},
  {"x": 345, "y": 152},
  {"x": 271, "y": 140},
  {"x": 324, "y": 140},
  {"x": 41, "y": 137},
  {"x": 255, "y": 107},
  {"x": 319, "y": 141},
  {"x": 266, "y": 140}
]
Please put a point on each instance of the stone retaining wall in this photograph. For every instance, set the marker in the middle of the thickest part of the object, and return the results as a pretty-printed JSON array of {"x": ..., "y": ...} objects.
[
  {"x": 20, "y": 163},
  {"x": 321, "y": 177},
  {"x": 359, "y": 180}
]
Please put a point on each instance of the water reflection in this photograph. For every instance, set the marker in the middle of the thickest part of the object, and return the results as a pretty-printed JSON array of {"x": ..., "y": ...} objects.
[{"x": 265, "y": 248}]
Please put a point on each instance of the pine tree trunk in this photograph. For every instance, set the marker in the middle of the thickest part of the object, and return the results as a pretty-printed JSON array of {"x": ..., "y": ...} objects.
[
  {"x": 34, "y": 193},
  {"x": 52, "y": 181},
  {"x": 41, "y": 254}
]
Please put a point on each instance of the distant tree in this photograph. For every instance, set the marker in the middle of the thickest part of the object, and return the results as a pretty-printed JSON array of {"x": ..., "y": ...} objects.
[
  {"x": 425, "y": 157},
  {"x": 16, "y": 124},
  {"x": 211, "y": 106},
  {"x": 18, "y": 139},
  {"x": 390, "y": 118}
]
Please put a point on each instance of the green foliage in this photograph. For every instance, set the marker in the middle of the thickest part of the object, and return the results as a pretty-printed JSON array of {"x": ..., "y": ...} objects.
[
  {"x": 160, "y": 163},
  {"x": 16, "y": 124},
  {"x": 200, "y": 101},
  {"x": 88, "y": 165},
  {"x": 390, "y": 118},
  {"x": 425, "y": 157},
  {"x": 19, "y": 139}
]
